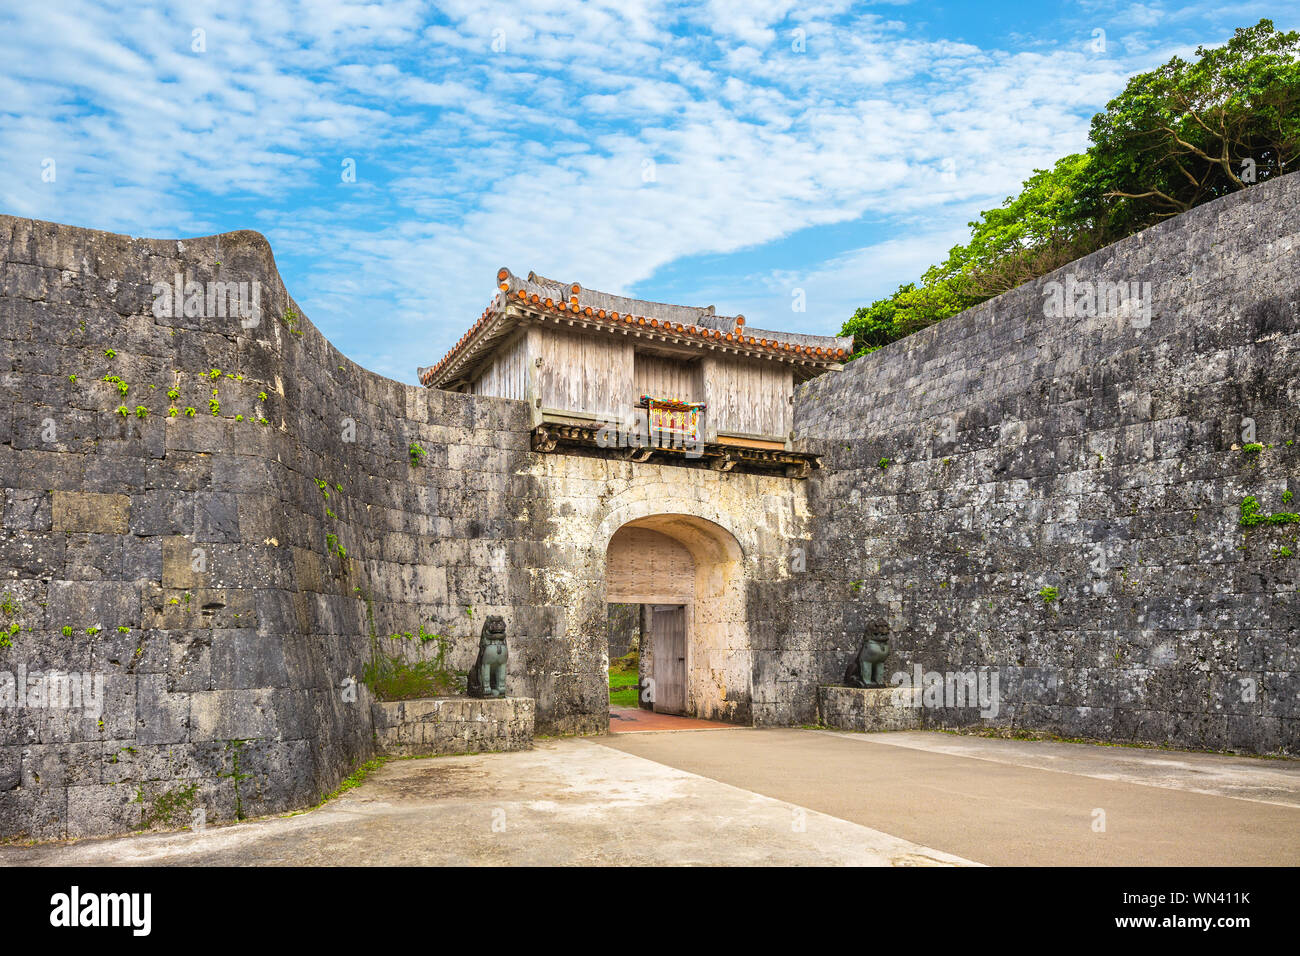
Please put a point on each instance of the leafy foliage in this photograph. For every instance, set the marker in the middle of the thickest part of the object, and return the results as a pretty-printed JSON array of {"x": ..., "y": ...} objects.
[
  {"x": 1186, "y": 133},
  {"x": 1177, "y": 136}
]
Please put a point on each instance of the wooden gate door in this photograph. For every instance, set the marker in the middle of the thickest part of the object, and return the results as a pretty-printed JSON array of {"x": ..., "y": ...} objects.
[{"x": 668, "y": 644}]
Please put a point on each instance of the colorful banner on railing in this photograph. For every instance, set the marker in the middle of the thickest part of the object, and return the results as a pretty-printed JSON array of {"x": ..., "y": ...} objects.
[{"x": 671, "y": 415}]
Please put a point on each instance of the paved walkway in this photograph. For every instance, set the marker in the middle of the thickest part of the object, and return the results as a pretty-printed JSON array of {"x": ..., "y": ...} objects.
[
  {"x": 741, "y": 796},
  {"x": 1009, "y": 802},
  {"x": 637, "y": 720},
  {"x": 568, "y": 801}
]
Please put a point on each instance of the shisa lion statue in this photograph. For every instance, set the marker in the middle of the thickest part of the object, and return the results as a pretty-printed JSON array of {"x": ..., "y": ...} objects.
[
  {"x": 867, "y": 669},
  {"x": 487, "y": 678}
]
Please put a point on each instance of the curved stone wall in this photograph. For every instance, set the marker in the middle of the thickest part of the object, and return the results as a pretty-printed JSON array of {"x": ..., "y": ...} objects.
[{"x": 226, "y": 573}]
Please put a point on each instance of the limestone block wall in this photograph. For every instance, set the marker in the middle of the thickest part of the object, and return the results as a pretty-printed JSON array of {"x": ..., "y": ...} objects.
[
  {"x": 1015, "y": 448},
  {"x": 624, "y": 628},
  {"x": 226, "y": 571},
  {"x": 454, "y": 725}
]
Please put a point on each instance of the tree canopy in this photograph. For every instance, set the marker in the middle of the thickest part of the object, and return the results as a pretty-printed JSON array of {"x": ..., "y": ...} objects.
[{"x": 1177, "y": 136}]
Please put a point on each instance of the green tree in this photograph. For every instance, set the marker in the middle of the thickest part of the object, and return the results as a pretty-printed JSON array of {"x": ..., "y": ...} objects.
[
  {"x": 1055, "y": 219},
  {"x": 1051, "y": 222},
  {"x": 873, "y": 325},
  {"x": 1176, "y": 137},
  {"x": 1186, "y": 133}
]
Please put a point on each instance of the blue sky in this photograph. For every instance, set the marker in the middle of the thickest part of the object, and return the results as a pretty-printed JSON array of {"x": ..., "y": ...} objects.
[{"x": 726, "y": 153}]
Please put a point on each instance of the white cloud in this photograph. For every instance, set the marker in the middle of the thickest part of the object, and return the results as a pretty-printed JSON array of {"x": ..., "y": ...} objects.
[{"x": 532, "y": 155}]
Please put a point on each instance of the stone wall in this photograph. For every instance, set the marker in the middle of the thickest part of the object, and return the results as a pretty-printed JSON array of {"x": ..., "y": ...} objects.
[
  {"x": 1006, "y": 451},
  {"x": 453, "y": 725},
  {"x": 228, "y": 572},
  {"x": 624, "y": 628}
]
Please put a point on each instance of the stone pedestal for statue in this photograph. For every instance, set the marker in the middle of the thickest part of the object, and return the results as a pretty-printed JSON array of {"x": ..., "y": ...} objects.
[
  {"x": 867, "y": 708},
  {"x": 430, "y": 726}
]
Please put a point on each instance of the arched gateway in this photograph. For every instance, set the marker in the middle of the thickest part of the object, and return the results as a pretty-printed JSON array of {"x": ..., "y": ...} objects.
[
  {"x": 670, "y": 430},
  {"x": 688, "y": 574}
]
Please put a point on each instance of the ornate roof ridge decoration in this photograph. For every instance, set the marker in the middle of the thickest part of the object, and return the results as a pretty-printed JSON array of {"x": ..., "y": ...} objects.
[{"x": 571, "y": 304}]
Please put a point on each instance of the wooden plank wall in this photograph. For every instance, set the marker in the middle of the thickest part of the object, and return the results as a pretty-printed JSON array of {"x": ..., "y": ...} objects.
[
  {"x": 646, "y": 567},
  {"x": 601, "y": 376},
  {"x": 586, "y": 373},
  {"x": 668, "y": 378},
  {"x": 747, "y": 397},
  {"x": 507, "y": 376}
]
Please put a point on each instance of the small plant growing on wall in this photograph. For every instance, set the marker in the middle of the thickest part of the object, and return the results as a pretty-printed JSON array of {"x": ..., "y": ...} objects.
[
  {"x": 417, "y": 454},
  {"x": 884, "y": 463},
  {"x": 1048, "y": 594},
  {"x": 1251, "y": 516},
  {"x": 394, "y": 678},
  {"x": 10, "y": 608}
]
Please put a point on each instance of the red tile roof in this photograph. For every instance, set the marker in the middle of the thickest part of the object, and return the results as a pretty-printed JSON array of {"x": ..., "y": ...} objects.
[{"x": 543, "y": 296}]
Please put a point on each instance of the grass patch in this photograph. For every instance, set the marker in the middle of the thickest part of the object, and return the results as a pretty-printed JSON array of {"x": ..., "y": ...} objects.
[
  {"x": 356, "y": 778},
  {"x": 625, "y": 680},
  {"x": 392, "y": 678}
]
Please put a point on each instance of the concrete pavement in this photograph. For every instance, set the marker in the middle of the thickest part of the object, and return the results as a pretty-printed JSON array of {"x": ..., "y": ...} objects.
[
  {"x": 569, "y": 801},
  {"x": 744, "y": 796},
  {"x": 1009, "y": 802}
]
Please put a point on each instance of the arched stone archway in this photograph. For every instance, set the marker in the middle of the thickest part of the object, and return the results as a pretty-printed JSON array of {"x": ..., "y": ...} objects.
[{"x": 671, "y": 559}]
